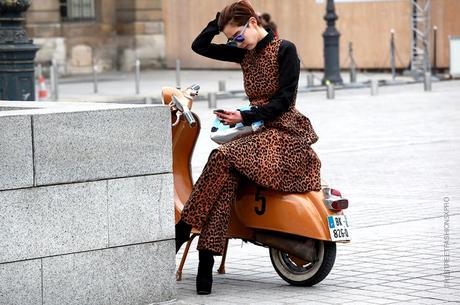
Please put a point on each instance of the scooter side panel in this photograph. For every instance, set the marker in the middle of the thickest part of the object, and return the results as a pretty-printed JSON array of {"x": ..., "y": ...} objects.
[
  {"x": 184, "y": 140},
  {"x": 302, "y": 214}
]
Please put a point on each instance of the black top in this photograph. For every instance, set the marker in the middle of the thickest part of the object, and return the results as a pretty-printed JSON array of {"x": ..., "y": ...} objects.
[{"x": 289, "y": 69}]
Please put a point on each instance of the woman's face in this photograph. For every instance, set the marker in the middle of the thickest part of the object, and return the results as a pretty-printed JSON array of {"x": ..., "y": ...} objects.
[{"x": 249, "y": 33}]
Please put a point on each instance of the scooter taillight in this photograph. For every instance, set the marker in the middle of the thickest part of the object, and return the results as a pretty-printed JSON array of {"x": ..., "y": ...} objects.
[
  {"x": 340, "y": 204},
  {"x": 336, "y": 193},
  {"x": 333, "y": 199}
]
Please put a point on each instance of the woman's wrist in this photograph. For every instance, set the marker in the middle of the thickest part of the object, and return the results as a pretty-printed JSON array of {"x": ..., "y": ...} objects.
[{"x": 215, "y": 22}]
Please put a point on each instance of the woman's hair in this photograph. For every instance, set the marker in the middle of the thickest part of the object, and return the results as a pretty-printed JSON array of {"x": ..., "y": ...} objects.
[
  {"x": 236, "y": 14},
  {"x": 266, "y": 17}
]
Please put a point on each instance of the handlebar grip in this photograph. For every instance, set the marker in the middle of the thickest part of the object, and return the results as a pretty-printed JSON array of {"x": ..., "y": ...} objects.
[{"x": 190, "y": 118}]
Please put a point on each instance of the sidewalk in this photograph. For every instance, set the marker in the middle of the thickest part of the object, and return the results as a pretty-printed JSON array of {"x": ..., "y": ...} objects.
[{"x": 395, "y": 157}]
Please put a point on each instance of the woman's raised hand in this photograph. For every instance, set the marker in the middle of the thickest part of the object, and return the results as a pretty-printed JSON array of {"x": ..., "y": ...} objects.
[{"x": 229, "y": 117}]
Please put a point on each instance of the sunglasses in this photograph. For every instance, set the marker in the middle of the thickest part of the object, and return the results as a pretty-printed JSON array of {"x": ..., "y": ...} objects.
[{"x": 238, "y": 38}]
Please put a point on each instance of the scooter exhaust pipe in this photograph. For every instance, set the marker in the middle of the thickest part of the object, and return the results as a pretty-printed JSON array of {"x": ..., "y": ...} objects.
[{"x": 300, "y": 247}]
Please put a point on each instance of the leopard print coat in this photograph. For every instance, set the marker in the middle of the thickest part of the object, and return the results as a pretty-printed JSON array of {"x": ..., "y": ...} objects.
[{"x": 278, "y": 156}]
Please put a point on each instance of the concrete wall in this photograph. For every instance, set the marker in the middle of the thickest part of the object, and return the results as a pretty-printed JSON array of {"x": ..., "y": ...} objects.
[{"x": 86, "y": 207}]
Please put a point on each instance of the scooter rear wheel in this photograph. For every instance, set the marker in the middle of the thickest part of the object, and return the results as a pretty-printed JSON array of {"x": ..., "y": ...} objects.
[{"x": 299, "y": 272}]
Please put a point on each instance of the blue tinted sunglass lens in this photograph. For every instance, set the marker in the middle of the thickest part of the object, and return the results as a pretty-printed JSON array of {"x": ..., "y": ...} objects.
[
  {"x": 232, "y": 43},
  {"x": 239, "y": 38}
]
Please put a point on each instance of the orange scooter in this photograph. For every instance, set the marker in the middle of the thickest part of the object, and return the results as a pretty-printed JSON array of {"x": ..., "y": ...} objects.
[{"x": 300, "y": 229}]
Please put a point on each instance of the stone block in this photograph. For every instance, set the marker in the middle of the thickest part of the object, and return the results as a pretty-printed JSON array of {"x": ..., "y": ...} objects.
[
  {"x": 16, "y": 165},
  {"x": 43, "y": 221},
  {"x": 95, "y": 145},
  {"x": 139, "y": 4},
  {"x": 139, "y": 274},
  {"x": 150, "y": 46},
  {"x": 155, "y": 27},
  {"x": 140, "y": 209},
  {"x": 82, "y": 56},
  {"x": 44, "y": 5},
  {"x": 38, "y": 16},
  {"x": 43, "y": 30},
  {"x": 139, "y": 15},
  {"x": 20, "y": 283}
]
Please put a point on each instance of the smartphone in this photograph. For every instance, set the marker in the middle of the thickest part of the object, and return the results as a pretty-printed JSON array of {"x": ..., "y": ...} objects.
[{"x": 219, "y": 111}]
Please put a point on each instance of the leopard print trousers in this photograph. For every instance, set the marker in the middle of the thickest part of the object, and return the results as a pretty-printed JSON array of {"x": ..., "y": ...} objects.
[{"x": 210, "y": 203}]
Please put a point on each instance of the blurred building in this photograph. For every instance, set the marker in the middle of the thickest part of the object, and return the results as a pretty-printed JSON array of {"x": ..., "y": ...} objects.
[
  {"x": 115, "y": 32},
  {"x": 112, "y": 32}
]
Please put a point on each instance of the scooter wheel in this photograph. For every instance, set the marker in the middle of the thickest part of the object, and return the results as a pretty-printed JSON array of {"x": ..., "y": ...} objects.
[{"x": 299, "y": 272}]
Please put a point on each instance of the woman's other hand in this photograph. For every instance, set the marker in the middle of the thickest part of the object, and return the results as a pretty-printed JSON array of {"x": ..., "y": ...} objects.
[
  {"x": 216, "y": 19},
  {"x": 230, "y": 117}
]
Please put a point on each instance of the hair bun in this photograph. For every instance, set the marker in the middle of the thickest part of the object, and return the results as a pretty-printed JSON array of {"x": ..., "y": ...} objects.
[{"x": 237, "y": 14}]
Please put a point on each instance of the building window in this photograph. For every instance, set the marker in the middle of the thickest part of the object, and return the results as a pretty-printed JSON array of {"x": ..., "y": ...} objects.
[{"x": 75, "y": 10}]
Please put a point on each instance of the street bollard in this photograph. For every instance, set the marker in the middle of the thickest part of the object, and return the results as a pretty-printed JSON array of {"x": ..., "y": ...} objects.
[
  {"x": 38, "y": 75},
  {"x": 138, "y": 75},
  {"x": 310, "y": 80},
  {"x": 392, "y": 55},
  {"x": 39, "y": 70},
  {"x": 178, "y": 73},
  {"x": 352, "y": 64},
  {"x": 95, "y": 80},
  {"x": 374, "y": 87},
  {"x": 435, "y": 49},
  {"x": 353, "y": 75},
  {"x": 54, "y": 80},
  {"x": 427, "y": 81},
  {"x": 221, "y": 86},
  {"x": 212, "y": 100},
  {"x": 330, "y": 92}
]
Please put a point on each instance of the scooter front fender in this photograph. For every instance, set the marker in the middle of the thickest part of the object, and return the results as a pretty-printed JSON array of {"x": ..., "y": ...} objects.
[{"x": 302, "y": 214}]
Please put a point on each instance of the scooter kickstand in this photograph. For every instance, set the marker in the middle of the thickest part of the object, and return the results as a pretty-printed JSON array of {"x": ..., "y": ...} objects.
[
  {"x": 221, "y": 269},
  {"x": 184, "y": 257}
]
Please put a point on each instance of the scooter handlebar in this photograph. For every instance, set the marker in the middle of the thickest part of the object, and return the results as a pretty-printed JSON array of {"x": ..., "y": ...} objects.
[
  {"x": 185, "y": 110},
  {"x": 189, "y": 117}
]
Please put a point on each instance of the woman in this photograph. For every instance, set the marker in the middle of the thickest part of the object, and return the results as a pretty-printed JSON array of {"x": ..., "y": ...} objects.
[{"x": 278, "y": 156}]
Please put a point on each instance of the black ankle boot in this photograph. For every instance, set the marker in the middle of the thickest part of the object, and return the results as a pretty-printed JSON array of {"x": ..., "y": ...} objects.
[
  {"x": 183, "y": 230},
  {"x": 204, "y": 275}
]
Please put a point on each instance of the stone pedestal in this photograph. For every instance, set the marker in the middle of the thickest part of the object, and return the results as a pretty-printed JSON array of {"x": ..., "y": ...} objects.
[{"x": 86, "y": 204}]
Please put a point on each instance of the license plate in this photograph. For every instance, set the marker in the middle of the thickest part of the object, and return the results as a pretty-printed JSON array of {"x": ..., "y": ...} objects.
[{"x": 338, "y": 227}]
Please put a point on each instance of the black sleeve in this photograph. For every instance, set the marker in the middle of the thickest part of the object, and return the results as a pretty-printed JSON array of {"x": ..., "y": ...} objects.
[
  {"x": 289, "y": 69},
  {"x": 203, "y": 45}
]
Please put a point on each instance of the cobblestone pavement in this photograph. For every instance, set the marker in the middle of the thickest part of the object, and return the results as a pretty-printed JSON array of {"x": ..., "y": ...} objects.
[{"x": 396, "y": 157}]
